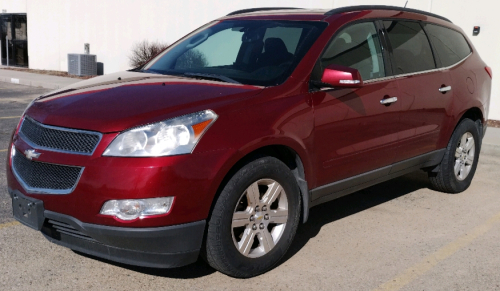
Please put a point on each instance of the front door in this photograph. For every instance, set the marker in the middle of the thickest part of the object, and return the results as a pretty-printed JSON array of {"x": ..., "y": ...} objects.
[
  {"x": 14, "y": 39},
  {"x": 354, "y": 132}
]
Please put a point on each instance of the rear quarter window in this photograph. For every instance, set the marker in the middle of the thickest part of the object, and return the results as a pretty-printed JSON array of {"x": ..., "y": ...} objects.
[{"x": 450, "y": 45}]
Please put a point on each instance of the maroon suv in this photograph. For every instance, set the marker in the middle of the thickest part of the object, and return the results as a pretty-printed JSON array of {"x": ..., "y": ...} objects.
[{"x": 221, "y": 144}]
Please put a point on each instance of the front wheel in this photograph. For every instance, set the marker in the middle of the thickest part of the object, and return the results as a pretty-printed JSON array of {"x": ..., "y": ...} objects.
[
  {"x": 254, "y": 219},
  {"x": 456, "y": 170}
]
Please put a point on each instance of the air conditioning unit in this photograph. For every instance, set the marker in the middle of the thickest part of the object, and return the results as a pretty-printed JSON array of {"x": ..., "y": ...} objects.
[{"x": 82, "y": 64}]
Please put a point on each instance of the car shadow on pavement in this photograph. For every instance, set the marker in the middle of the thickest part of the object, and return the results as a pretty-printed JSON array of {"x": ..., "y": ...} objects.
[
  {"x": 319, "y": 216},
  {"x": 196, "y": 270},
  {"x": 351, "y": 204}
]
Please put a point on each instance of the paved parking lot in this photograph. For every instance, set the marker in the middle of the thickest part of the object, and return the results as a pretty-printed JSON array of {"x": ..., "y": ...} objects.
[{"x": 399, "y": 235}]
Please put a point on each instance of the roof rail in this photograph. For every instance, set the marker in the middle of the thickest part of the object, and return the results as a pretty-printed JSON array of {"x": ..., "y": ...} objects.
[
  {"x": 382, "y": 7},
  {"x": 259, "y": 9}
]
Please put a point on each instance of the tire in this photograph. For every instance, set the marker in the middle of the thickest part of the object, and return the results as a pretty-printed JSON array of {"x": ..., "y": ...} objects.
[
  {"x": 240, "y": 246},
  {"x": 449, "y": 179}
]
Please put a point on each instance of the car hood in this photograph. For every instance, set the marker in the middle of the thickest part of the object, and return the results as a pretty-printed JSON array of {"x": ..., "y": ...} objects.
[{"x": 123, "y": 100}]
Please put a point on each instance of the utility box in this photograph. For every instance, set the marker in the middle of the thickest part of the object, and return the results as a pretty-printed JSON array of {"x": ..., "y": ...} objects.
[{"x": 82, "y": 64}]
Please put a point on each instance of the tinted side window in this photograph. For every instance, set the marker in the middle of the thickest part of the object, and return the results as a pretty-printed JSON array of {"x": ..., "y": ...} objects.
[
  {"x": 358, "y": 47},
  {"x": 451, "y": 46},
  {"x": 411, "y": 49}
]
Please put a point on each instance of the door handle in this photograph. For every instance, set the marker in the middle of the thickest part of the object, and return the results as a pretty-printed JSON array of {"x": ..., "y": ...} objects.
[
  {"x": 445, "y": 89},
  {"x": 388, "y": 101}
]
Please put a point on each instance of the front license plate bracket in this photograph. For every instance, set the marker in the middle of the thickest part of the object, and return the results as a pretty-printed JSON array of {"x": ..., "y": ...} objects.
[{"x": 28, "y": 211}]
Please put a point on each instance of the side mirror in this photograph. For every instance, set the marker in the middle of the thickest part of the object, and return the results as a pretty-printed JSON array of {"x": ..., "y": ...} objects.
[{"x": 340, "y": 76}]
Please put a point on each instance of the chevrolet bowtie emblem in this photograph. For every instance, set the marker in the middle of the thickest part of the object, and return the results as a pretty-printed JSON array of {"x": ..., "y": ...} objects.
[{"x": 30, "y": 154}]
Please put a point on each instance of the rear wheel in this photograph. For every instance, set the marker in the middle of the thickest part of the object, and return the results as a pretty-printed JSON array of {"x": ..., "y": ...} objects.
[
  {"x": 455, "y": 172},
  {"x": 254, "y": 219}
]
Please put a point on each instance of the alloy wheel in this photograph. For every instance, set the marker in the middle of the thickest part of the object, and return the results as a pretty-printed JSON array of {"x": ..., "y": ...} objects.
[
  {"x": 464, "y": 156},
  {"x": 259, "y": 218}
]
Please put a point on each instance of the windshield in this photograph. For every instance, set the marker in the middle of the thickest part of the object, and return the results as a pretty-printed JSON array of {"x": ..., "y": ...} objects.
[{"x": 255, "y": 52}]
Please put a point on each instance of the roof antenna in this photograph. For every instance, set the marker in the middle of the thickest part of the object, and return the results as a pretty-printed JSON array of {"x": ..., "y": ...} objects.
[{"x": 406, "y": 3}]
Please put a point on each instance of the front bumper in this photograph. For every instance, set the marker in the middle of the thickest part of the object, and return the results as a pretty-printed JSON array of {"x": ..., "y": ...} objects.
[
  {"x": 192, "y": 179},
  {"x": 157, "y": 247}
]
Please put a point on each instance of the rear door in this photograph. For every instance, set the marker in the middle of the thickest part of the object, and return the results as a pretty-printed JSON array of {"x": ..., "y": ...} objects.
[
  {"x": 451, "y": 49},
  {"x": 425, "y": 91},
  {"x": 354, "y": 133}
]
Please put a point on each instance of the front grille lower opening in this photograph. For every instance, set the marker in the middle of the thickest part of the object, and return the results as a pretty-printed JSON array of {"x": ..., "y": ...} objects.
[
  {"x": 56, "y": 229},
  {"x": 44, "y": 176}
]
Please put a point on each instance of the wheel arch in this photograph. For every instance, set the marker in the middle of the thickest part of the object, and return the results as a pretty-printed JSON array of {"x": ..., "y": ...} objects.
[
  {"x": 285, "y": 153},
  {"x": 475, "y": 114}
]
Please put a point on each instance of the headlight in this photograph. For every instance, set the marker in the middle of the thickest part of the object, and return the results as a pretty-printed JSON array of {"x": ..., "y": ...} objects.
[
  {"x": 170, "y": 137},
  {"x": 131, "y": 209},
  {"x": 12, "y": 153}
]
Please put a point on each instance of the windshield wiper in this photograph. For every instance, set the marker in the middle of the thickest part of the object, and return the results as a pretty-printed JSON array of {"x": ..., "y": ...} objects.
[{"x": 212, "y": 77}]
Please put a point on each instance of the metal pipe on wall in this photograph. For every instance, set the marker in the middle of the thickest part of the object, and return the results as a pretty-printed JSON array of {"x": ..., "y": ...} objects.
[{"x": 7, "y": 48}]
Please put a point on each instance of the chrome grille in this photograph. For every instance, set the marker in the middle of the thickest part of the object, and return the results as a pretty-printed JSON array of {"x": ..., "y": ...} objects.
[
  {"x": 58, "y": 138},
  {"x": 37, "y": 177}
]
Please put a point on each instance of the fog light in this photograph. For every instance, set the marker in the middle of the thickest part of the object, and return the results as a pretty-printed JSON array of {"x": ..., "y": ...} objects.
[{"x": 131, "y": 209}]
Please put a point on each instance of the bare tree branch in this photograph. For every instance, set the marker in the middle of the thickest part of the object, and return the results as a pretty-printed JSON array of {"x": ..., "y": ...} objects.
[{"x": 144, "y": 51}]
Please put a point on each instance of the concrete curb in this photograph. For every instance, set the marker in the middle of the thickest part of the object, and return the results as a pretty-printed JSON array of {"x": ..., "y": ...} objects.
[
  {"x": 32, "y": 83},
  {"x": 35, "y": 80}
]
